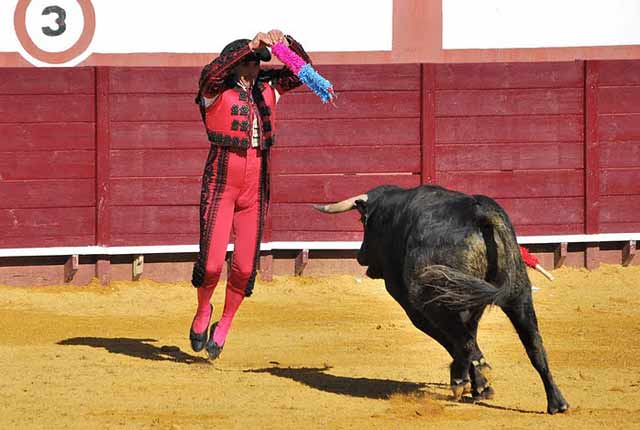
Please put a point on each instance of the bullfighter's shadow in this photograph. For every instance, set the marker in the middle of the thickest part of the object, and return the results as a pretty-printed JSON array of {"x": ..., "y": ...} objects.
[
  {"x": 355, "y": 387},
  {"x": 138, "y": 348}
]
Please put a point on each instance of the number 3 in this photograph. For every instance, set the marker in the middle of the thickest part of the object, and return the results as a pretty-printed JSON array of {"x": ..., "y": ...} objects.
[{"x": 62, "y": 15}]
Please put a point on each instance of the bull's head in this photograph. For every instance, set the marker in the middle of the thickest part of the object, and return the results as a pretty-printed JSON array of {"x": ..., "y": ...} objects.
[{"x": 370, "y": 253}]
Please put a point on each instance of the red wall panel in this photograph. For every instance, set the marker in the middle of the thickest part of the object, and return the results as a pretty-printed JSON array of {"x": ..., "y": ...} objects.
[
  {"x": 513, "y": 131},
  {"x": 618, "y": 140},
  {"x": 47, "y": 157}
]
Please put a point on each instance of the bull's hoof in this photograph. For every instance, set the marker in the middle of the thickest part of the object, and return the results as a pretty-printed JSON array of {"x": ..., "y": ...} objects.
[
  {"x": 458, "y": 388},
  {"x": 487, "y": 393},
  {"x": 559, "y": 406},
  {"x": 484, "y": 368}
]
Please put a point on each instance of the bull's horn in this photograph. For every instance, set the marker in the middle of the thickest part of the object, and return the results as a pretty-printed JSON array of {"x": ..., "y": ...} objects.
[
  {"x": 343, "y": 206},
  {"x": 547, "y": 275}
]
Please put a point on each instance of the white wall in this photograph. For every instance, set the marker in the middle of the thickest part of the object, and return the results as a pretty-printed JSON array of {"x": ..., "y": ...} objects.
[
  {"x": 495, "y": 24},
  {"x": 205, "y": 26}
]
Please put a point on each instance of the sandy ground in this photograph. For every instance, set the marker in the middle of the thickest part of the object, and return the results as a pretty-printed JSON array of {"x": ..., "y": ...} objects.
[{"x": 307, "y": 353}]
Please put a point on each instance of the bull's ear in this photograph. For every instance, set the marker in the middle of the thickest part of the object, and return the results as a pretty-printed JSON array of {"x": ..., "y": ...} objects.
[{"x": 361, "y": 205}]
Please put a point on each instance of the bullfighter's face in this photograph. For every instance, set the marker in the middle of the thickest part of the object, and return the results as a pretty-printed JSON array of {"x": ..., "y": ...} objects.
[
  {"x": 369, "y": 253},
  {"x": 247, "y": 72}
]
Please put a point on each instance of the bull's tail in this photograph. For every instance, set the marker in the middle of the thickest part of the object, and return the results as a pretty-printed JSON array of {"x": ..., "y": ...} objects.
[
  {"x": 506, "y": 264},
  {"x": 506, "y": 272},
  {"x": 457, "y": 290}
]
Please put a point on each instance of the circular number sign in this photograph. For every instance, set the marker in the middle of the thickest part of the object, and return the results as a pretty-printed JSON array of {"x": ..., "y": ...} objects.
[{"x": 54, "y": 31}]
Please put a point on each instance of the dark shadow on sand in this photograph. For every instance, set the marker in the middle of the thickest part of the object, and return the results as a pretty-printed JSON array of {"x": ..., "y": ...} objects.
[
  {"x": 369, "y": 388},
  {"x": 497, "y": 407},
  {"x": 355, "y": 387},
  {"x": 138, "y": 348}
]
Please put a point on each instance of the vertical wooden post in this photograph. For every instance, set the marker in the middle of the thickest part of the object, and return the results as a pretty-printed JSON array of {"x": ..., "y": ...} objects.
[
  {"x": 71, "y": 268},
  {"x": 628, "y": 252},
  {"x": 428, "y": 123},
  {"x": 103, "y": 154},
  {"x": 302, "y": 259},
  {"x": 560, "y": 255},
  {"x": 591, "y": 161},
  {"x": 266, "y": 258}
]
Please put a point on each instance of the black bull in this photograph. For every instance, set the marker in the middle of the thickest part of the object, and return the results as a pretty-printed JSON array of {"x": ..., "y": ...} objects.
[{"x": 445, "y": 256}]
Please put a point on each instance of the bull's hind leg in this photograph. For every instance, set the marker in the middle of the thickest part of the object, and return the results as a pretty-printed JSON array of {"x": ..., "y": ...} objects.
[
  {"x": 479, "y": 369},
  {"x": 462, "y": 344},
  {"x": 422, "y": 323},
  {"x": 523, "y": 318}
]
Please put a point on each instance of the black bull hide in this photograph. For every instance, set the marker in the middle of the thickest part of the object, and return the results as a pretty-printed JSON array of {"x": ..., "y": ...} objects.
[{"x": 445, "y": 256}]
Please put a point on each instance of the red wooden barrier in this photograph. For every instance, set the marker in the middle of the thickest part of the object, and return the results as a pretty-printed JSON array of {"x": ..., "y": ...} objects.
[{"x": 113, "y": 156}]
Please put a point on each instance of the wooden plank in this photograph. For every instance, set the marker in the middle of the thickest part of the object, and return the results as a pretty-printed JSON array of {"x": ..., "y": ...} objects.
[
  {"x": 41, "y": 241},
  {"x": 547, "y": 229},
  {"x": 427, "y": 126},
  {"x": 617, "y": 100},
  {"x": 621, "y": 127},
  {"x": 355, "y": 104},
  {"x": 294, "y": 235},
  {"x": 297, "y": 133},
  {"x": 155, "y": 191},
  {"x": 47, "y": 165},
  {"x": 509, "y": 102},
  {"x": 622, "y": 72},
  {"x": 620, "y": 209},
  {"x": 47, "y": 136},
  {"x": 158, "y": 162},
  {"x": 154, "y": 107},
  {"x": 620, "y": 181},
  {"x": 378, "y": 159},
  {"x": 291, "y": 216},
  {"x": 509, "y": 75},
  {"x": 77, "y": 80},
  {"x": 507, "y": 129},
  {"x": 593, "y": 105},
  {"x": 619, "y": 154},
  {"x": 34, "y": 223},
  {"x": 544, "y": 211},
  {"x": 129, "y": 239},
  {"x": 516, "y": 156},
  {"x": 302, "y": 235},
  {"x": 146, "y": 220},
  {"x": 103, "y": 164},
  {"x": 513, "y": 184},
  {"x": 362, "y": 77},
  {"x": 620, "y": 227},
  {"x": 331, "y": 188},
  {"x": 154, "y": 80},
  {"x": 58, "y": 193},
  {"x": 46, "y": 108},
  {"x": 159, "y": 135},
  {"x": 348, "y": 132}
]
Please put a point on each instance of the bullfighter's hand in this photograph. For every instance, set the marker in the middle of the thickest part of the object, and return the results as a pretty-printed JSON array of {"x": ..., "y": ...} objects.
[
  {"x": 278, "y": 36},
  {"x": 260, "y": 40}
]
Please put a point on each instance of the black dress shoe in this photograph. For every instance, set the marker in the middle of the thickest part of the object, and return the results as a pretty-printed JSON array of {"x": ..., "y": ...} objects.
[
  {"x": 199, "y": 340},
  {"x": 213, "y": 349}
]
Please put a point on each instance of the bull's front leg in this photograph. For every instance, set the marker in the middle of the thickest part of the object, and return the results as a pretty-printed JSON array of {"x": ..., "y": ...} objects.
[{"x": 523, "y": 318}]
